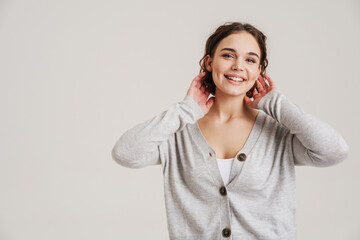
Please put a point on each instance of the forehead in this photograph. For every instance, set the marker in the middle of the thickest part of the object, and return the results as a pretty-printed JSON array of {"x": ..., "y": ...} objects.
[{"x": 242, "y": 42}]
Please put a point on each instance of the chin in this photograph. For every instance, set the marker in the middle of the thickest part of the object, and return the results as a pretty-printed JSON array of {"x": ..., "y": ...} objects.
[{"x": 235, "y": 93}]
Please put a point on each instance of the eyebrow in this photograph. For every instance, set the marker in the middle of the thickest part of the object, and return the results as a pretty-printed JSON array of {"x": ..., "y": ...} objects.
[{"x": 233, "y": 50}]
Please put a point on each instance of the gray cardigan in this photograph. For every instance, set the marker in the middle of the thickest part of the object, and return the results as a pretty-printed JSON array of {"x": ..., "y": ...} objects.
[{"x": 260, "y": 200}]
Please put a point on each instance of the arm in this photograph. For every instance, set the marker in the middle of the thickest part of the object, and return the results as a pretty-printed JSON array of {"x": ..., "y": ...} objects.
[
  {"x": 139, "y": 146},
  {"x": 313, "y": 142}
]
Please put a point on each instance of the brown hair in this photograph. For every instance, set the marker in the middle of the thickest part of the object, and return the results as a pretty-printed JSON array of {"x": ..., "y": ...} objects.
[{"x": 222, "y": 32}]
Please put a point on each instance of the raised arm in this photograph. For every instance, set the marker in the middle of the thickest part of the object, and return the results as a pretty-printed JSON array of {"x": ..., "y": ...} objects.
[
  {"x": 139, "y": 146},
  {"x": 314, "y": 142}
]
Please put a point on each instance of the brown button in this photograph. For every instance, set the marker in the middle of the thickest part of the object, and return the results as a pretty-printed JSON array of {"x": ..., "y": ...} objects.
[
  {"x": 223, "y": 191},
  {"x": 210, "y": 154},
  {"x": 241, "y": 157},
  {"x": 226, "y": 232}
]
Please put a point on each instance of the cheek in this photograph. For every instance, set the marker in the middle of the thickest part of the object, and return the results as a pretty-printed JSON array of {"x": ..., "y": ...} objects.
[
  {"x": 216, "y": 77},
  {"x": 217, "y": 71},
  {"x": 220, "y": 64},
  {"x": 253, "y": 73}
]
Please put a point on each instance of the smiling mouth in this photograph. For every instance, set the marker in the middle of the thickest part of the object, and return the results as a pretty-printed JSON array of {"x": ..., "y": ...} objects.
[{"x": 235, "y": 79}]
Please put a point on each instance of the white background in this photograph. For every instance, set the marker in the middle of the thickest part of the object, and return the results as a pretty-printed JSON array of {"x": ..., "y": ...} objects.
[{"x": 77, "y": 74}]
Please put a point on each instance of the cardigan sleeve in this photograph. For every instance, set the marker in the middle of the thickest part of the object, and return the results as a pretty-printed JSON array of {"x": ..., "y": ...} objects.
[
  {"x": 313, "y": 142},
  {"x": 139, "y": 146}
]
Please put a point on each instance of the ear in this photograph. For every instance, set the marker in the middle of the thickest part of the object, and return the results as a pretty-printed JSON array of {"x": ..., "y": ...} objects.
[
  {"x": 260, "y": 67},
  {"x": 208, "y": 63}
]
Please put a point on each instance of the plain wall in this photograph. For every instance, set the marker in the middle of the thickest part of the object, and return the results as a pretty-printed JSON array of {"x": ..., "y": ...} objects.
[{"x": 75, "y": 75}]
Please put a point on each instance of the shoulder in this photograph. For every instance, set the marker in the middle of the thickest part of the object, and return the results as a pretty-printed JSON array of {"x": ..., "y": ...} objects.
[{"x": 272, "y": 128}]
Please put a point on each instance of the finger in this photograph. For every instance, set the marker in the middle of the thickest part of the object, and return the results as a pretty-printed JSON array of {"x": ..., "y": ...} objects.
[
  {"x": 247, "y": 99},
  {"x": 202, "y": 89},
  {"x": 259, "y": 86},
  {"x": 199, "y": 77},
  {"x": 263, "y": 83},
  {"x": 210, "y": 102},
  {"x": 196, "y": 81},
  {"x": 207, "y": 94},
  {"x": 195, "y": 84},
  {"x": 271, "y": 82}
]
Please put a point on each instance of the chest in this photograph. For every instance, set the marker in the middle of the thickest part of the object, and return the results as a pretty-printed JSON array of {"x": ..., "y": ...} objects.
[{"x": 226, "y": 139}]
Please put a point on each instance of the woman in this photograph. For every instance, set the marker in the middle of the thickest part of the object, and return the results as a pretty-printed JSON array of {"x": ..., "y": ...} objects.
[{"x": 229, "y": 168}]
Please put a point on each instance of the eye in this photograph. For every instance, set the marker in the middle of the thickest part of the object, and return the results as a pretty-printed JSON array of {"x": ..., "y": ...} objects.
[
  {"x": 227, "y": 55},
  {"x": 251, "y": 60}
]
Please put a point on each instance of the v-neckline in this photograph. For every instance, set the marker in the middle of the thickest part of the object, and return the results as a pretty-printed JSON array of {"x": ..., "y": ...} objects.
[
  {"x": 255, "y": 130},
  {"x": 210, "y": 154}
]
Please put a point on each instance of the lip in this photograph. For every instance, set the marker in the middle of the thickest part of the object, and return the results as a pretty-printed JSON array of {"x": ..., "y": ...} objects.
[
  {"x": 234, "y": 82},
  {"x": 235, "y": 75}
]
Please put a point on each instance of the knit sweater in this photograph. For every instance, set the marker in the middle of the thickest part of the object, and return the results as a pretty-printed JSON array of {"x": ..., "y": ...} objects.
[{"x": 260, "y": 200}]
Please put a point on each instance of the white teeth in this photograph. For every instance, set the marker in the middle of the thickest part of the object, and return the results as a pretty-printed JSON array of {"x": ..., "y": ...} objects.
[{"x": 235, "y": 79}]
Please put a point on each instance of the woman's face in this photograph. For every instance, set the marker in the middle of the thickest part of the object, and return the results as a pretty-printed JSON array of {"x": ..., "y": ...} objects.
[{"x": 238, "y": 57}]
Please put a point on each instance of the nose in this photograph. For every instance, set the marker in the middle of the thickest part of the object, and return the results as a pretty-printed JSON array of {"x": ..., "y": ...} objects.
[{"x": 237, "y": 65}]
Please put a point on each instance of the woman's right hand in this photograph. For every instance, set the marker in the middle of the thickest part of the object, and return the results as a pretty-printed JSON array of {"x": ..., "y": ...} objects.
[{"x": 199, "y": 94}]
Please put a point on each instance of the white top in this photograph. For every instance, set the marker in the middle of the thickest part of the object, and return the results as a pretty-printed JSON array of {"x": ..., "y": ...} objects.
[{"x": 225, "y": 168}]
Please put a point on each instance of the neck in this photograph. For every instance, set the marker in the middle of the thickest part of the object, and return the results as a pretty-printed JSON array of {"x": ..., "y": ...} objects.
[{"x": 229, "y": 107}]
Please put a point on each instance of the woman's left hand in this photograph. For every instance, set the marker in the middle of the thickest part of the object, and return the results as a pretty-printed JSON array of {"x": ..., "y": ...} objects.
[{"x": 260, "y": 91}]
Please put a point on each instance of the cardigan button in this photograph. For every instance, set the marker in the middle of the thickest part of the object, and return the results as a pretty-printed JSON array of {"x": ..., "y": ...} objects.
[
  {"x": 226, "y": 232},
  {"x": 223, "y": 191},
  {"x": 241, "y": 157},
  {"x": 210, "y": 154}
]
